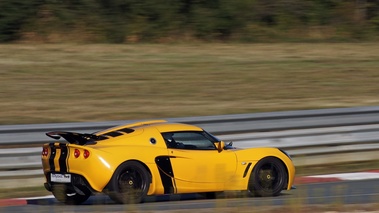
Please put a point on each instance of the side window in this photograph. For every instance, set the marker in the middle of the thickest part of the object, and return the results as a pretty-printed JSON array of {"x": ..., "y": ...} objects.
[{"x": 189, "y": 140}]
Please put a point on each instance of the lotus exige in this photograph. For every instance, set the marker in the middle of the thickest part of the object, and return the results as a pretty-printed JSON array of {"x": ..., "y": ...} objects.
[{"x": 133, "y": 161}]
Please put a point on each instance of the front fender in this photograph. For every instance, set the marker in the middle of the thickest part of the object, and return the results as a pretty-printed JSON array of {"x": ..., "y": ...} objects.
[{"x": 254, "y": 155}]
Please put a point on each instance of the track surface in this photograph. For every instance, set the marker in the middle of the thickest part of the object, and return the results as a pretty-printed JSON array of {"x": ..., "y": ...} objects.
[{"x": 325, "y": 193}]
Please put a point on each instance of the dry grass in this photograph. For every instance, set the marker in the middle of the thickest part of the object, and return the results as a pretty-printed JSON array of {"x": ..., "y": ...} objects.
[{"x": 68, "y": 82}]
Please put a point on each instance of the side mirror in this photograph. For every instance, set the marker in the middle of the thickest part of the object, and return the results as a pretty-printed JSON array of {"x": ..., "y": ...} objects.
[
  {"x": 220, "y": 146},
  {"x": 229, "y": 145}
]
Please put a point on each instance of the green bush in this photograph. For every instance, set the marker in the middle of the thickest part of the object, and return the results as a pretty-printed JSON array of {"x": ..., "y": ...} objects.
[
  {"x": 118, "y": 21},
  {"x": 13, "y": 14}
]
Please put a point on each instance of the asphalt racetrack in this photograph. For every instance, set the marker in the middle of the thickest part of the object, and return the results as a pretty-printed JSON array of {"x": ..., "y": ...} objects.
[{"x": 324, "y": 193}]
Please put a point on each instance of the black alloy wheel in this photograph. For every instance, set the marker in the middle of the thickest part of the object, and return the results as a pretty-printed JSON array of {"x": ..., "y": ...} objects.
[
  {"x": 268, "y": 178},
  {"x": 130, "y": 183}
]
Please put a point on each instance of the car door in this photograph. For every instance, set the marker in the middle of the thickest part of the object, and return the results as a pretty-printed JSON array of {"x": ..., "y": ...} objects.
[{"x": 197, "y": 165}]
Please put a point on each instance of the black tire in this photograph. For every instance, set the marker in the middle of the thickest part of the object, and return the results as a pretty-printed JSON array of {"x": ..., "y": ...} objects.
[
  {"x": 130, "y": 183},
  {"x": 268, "y": 178},
  {"x": 67, "y": 196}
]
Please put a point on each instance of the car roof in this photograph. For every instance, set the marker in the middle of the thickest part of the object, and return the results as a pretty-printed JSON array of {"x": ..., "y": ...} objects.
[
  {"x": 160, "y": 125},
  {"x": 172, "y": 127}
]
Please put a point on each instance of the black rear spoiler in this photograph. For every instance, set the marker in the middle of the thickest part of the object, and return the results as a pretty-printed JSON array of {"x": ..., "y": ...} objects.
[{"x": 76, "y": 138}]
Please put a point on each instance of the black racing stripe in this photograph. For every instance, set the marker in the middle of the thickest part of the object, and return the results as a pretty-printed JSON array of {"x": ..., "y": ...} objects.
[
  {"x": 246, "y": 170},
  {"x": 53, "y": 152},
  {"x": 63, "y": 158},
  {"x": 166, "y": 173}
]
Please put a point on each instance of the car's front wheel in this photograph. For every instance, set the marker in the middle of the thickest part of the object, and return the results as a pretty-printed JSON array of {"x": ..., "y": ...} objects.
[
  {"x": 63, "y": 194},
  {"x": 268, "y": 178},
  {"x": 129, "y": 183}
]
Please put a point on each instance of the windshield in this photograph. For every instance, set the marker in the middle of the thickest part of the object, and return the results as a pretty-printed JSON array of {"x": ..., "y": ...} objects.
[
  {"x": 200, "y": 140},
  {"x": 211, "y": 137}
]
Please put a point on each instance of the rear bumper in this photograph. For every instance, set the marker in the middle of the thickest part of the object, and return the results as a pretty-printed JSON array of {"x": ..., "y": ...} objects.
[{"x": 77, "y": 182}]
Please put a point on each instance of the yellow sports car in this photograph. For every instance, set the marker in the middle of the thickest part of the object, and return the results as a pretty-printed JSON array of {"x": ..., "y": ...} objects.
[{"x": 133, "y": 161}]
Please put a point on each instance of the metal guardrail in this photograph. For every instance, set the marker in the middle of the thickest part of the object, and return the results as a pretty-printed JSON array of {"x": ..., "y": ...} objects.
[{"x": 311, "y": 137}]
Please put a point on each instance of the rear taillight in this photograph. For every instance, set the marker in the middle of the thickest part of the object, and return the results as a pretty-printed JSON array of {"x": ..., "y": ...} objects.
[
  {"x": 86, "y": 154},
  {"x": 76, "y": 153},
  {"x": 45, "y": 151}
]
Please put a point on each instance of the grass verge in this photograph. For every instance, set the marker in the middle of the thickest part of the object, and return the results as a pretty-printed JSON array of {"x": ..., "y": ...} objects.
[{"x": 68, "y": 82}]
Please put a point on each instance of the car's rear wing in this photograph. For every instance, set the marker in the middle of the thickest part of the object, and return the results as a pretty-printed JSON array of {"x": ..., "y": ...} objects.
[{"x": 76, "y": 138}]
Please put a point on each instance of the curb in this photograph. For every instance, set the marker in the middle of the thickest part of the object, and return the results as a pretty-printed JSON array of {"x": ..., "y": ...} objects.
[
  {"x": 372, "y": 174},
  {"x": 13, "y": 202}
]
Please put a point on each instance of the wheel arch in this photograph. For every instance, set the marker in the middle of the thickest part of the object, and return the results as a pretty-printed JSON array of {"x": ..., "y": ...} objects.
[
  {"x": 281, "y": 161},
  {"x": 107, "y": 187}
]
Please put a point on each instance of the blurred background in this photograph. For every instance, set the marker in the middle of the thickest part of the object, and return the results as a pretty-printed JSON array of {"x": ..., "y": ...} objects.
[
  {"x": 109, "y": 60},
  {"x": 87, "y": 60}
]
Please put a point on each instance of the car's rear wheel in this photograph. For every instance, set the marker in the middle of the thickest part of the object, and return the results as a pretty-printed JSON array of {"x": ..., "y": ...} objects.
[
  {"x": 65, "y": 195},
  {"x": 268, "y": 178},
  {"x": 129, "y": 183}
]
